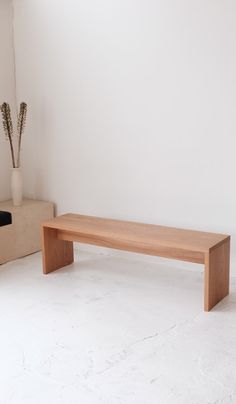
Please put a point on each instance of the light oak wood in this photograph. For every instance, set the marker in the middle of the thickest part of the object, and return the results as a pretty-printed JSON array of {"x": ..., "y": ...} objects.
[
  {"x": 56, "y": 253},
  {"x": 143, "y": 247},
  {"x": 217, "y": 264},
  {"x": 211, "y": 249}
]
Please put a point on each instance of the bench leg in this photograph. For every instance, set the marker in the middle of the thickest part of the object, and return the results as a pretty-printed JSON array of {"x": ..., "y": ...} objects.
[
  {"x": 217, "y": 263},
  {"x": 56, "y": 253}
]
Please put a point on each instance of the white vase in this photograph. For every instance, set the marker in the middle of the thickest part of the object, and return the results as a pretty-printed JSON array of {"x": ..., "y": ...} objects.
[{"x": 16, "y": 186}]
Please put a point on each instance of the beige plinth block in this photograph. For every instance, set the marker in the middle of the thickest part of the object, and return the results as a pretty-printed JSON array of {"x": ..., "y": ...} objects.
[{"x": 23, "y": 236}]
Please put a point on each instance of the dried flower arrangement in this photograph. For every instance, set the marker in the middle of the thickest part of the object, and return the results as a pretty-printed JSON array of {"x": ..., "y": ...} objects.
[{"x": 8, "y": 129}]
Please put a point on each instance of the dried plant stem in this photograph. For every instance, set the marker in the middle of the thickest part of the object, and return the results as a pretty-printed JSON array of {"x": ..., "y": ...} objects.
[
  {"x": 12, "y": 152},
  {"x": 20, "y": 128},
  {"x": 18, "y": 153},
  {"x": 8, "y": 128}
]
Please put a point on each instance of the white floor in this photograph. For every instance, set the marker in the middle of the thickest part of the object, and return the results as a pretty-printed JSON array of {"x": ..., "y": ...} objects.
[{"x": 111, "y": 330}]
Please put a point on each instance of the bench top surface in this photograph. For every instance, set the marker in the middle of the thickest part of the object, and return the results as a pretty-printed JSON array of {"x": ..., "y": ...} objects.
[{"x": 149, "y": 234}]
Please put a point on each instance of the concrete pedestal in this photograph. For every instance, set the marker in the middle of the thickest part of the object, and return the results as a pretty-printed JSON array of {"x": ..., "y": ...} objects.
[{"x": 23, "y": 236}]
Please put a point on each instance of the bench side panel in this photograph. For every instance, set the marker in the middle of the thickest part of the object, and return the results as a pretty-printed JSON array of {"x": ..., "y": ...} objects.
[
  {"x": 56, "y": 253},
  {"x": 217, "y": 271}
]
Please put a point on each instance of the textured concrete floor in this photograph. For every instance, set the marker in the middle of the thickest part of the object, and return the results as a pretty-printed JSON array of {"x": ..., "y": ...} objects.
[{"x": 113, "y": 330}]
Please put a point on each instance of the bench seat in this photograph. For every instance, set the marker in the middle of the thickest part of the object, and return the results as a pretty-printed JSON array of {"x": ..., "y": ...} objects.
[{"x": 210, "y": 249}]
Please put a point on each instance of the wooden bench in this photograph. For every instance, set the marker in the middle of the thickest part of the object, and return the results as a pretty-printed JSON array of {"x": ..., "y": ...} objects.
[{"x": 210, "y": 249}]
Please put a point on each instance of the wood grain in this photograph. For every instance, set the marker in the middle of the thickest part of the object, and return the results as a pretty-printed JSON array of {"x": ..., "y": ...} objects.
[
  {"x": 56, "y": 253},
  {"x": 211, "y": 249},
  {"x": 91, "y": 226},
  {"x": 149, "y": 247},
  {"x": 217, "y": 269}
]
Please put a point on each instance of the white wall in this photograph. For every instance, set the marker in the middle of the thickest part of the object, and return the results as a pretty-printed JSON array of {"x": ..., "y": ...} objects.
[
  {"x": 133, "y": 108},
  {"x": 7, "y": 89}
]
